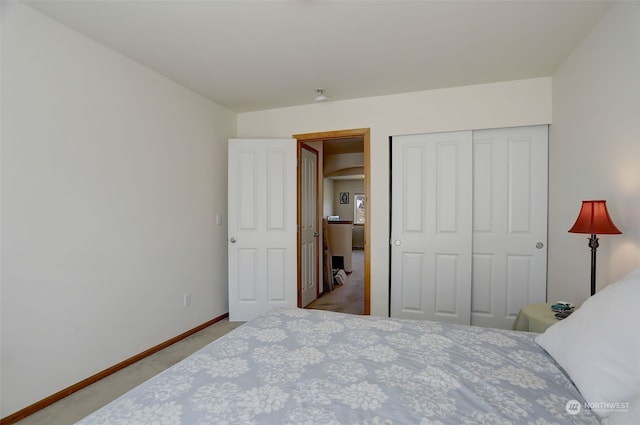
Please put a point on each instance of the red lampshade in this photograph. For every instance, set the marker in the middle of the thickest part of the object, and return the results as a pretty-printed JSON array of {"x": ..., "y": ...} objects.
[{"x": 594, "y": 219}]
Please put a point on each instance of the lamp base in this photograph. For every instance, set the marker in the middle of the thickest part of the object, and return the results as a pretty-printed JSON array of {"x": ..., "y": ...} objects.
[{"x": 593, "y": 244}]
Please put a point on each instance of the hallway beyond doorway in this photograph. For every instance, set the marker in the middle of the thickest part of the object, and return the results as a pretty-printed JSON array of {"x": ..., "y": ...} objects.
[{"x": 347, "y": 298}]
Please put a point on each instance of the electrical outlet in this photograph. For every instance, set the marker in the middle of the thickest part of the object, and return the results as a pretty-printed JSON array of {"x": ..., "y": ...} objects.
[{"x": 187, "y": 299}]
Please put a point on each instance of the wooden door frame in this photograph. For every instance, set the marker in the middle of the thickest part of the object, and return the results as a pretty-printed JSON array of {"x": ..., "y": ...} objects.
[{"x": 336, "y": 135}]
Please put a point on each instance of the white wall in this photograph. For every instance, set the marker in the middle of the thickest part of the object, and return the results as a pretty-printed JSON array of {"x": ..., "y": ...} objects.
[
  {"x": 327, "y": 195},
  {"x": 345, "y": 211},
  {"x": 506, "y": 104},
  {"x": 595, "y": 153},
  {"x": 343, "y": 162},
  {"x": 111, "y": 178}
]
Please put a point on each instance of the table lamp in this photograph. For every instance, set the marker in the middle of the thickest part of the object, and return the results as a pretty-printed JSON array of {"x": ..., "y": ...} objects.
[{"x": 594, "y": 219}]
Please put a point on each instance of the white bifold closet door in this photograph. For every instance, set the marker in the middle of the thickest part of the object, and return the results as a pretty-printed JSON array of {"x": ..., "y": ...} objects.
[{"x": 469, "y": 224}]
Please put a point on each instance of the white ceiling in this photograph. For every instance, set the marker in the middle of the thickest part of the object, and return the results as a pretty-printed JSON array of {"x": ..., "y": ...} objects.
[{"x": 253, "y": 55}]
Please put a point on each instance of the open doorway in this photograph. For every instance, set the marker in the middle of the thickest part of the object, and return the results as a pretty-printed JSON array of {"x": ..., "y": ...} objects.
[{"x": 347, "y": 181}]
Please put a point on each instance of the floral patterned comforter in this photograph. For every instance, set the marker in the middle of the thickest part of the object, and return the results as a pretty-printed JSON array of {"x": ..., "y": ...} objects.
[{"x": 317, "y": 367}]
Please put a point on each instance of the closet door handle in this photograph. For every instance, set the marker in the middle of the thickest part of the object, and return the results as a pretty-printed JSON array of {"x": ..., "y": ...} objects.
[
  {"x": 539, "y": 245},
  {"x": 233, "y": 240}
]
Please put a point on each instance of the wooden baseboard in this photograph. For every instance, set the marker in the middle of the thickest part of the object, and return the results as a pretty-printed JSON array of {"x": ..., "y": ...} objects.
[{"x": 30, "y": 410}]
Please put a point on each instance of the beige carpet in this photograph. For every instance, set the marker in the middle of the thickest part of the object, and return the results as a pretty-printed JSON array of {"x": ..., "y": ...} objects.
[
  {"x": 347, "y": 298},
  {"x": 82, "y": 403}
]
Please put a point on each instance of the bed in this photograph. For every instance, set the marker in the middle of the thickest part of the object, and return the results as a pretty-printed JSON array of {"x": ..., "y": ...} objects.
[{"x": 298, "y": 366}]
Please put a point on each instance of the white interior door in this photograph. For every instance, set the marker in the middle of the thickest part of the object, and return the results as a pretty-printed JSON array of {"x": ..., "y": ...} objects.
[
  {"x": 509, "y": 223},
  {"x": 309, "y": 234},
  {"x": 262, "y": 226},
  {"x": 431, "y": 226}
]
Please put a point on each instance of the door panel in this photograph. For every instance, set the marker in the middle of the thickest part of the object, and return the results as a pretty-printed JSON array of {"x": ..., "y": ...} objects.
[
  {"x": 262, "y": 226},
  {"x": 245, "y": 190},
  {"x": 509, "y": 218},
  {"x": 482, "y": 288},
  {"x": 309, "y": 232},
  {"x": 276, "y": 275},
  {"x": 277, "y": 197},
  {"x": 245, "y": 270},
  {"x": 431, "y": 226}
]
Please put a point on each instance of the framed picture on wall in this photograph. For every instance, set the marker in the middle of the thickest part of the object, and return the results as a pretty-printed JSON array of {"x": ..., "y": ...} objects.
[{"x": 344, "y": 197}]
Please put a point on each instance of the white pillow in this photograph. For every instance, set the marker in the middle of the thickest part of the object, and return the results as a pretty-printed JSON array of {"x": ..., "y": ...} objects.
[
  {"x": 599, "y": 344},
  {"x": 625, "y": 415}
]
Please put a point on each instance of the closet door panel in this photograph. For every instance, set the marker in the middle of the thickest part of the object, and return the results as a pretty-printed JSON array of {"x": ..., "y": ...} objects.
[
  {"x": 482, "y": 289},
  {"x": 520, "y": 180},
  {"x": 483, "y": 186},
  {"x": 431, "y": 226},
  {"x": 510, "y": 218},
  {"x": 518, "y": 274},
  {"x": 412, "y": 269}
]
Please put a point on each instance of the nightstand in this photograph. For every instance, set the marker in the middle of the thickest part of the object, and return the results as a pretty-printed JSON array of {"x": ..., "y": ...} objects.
[{"x": 535, "y": 318}]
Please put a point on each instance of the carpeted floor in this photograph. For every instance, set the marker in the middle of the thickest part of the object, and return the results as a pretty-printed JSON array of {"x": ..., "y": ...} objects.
[
  {"x": 347, "y": 298},
  {"x": 80, "y": 404}
]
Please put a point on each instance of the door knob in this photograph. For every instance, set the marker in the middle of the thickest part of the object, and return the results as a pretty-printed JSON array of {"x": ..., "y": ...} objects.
[
  {"x": 316, "y": 234},
  {"x": 539, "y": 245},
  {"x": 233, "y": 240},
  {"x": 397, "y": 242}
]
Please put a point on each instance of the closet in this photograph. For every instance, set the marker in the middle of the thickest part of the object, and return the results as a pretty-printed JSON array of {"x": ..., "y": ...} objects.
[{"x": 469, "y": 224}]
